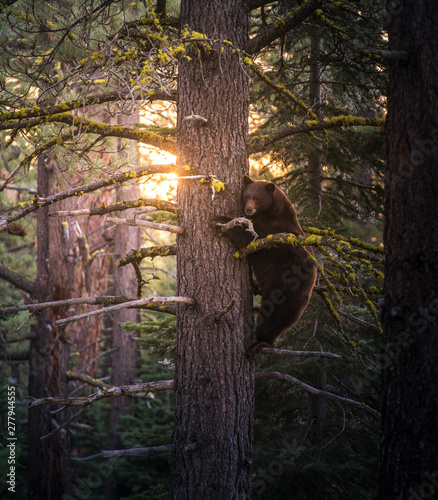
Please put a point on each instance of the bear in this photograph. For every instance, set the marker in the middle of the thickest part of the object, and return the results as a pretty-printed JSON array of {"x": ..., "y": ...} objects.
[{"x": 284, "y": 274}]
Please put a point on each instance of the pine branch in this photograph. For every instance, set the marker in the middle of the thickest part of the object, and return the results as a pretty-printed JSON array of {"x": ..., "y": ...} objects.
[
  {"x": 20, "y": 337},
  {"x": 166, "y": 206},
  {"x": 260, "y": 144},
  {"x": 156, "y": 303},
  {"x": 286, "y": 352},
  {"x": 88, "y": 380},
  {"x": 282, "y": 26},
  {"x": 318, "y": 392},
  {"x": 120, "y": 178},
  {"x": 139, "y": 255},
  {"x": 148, "y": 224},
  {"x": 148, "y": 137},
  {"x": 290, "y": 239},
  {"x": 16, "y": 279},
  {"x": 47, "y": 111},
  {"x": 114, "y": 392},
  {"x": 138, "y": 452},
  {"x": 106, "y": 300}
]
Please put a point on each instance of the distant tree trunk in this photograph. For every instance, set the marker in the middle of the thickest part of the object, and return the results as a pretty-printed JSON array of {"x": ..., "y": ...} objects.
[
  {"x": 48, "y": 469},
  {"x": 125, "y": 355},
  {"x": 409, "y": 443},
  {"x": 214, "y": 381}
]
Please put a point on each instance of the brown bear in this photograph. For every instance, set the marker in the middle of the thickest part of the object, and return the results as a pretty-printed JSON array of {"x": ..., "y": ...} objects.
[{"x": 284, "y": 274}]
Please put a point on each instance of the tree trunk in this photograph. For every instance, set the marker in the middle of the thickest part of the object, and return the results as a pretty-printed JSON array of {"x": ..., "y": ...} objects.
[
  {"x": 409, "y": 443},
  {"x": 49, "y": 474},
  {"x": 124, "y": 358},
  {"x": 214, "y": 381}
]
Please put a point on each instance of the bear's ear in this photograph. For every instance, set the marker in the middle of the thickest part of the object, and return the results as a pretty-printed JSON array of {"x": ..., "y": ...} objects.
[
  {"x": 247, "y": 180},
  {"x": 270, "y": 187}
]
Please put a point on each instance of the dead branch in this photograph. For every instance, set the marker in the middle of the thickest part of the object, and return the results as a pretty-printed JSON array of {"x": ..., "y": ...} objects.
[
  {"x": 286, "y": 352},
  {"x": 119, "y": 178},
  {"x": 155, "y": 251},
  {"x": 238, "y": 221},
  {"x": 114, "y": 392},
  {"x": 138, "y": 452},
  {"x": 107, "y": 300},
  {"x": 318, "y": 392},
  {"x": 166, "y": 206},
  {"x": 144, "y": 223},
  {"x": 149, "y": 301}
]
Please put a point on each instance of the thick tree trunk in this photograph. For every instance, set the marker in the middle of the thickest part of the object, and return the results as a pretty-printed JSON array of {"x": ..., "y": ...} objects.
[
  {"x": 48, "y": 469},
  {"x": 409, "y": 444},
  {"x": 214, "y": 381}
]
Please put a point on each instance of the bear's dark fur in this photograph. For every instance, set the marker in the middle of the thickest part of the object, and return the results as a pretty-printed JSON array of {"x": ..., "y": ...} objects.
[{"x": 284, "y": 274}]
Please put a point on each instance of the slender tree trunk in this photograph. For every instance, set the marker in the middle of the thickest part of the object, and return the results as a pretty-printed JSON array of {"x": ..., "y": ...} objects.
[
  {"x": 214, "y": 381},
  {"x": 409, "y": 444},
  {"x": 48, "y": 469}
]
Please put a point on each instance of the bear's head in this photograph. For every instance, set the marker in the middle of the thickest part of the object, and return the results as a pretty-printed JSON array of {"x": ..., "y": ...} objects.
[{"x": 258, "y": 196}]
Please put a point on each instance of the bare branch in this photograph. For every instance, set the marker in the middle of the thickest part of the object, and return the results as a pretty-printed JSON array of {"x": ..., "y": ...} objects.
[
  {"x": 107, "y": 300},
  {"x": 146, "y": 303},
  {"x": 318, "y": 392},
  {"x": 138, "y": 452},
  {"x": 238, "y": 221},
  {"x": 114, "y": 392},
  {"x": 144, "y": 223},
  {"x": 286, "y": 352}
]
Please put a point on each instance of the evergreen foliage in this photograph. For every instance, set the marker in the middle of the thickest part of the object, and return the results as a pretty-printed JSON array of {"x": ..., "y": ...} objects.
[{"x": 110, "y": 58}]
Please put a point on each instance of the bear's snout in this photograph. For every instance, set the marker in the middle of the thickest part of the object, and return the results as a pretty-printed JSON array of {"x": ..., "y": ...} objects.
[{"x": 249, "y": 211}]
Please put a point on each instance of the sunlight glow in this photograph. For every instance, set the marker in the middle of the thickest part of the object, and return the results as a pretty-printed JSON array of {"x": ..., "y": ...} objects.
[{"x": 160, "y": 186}]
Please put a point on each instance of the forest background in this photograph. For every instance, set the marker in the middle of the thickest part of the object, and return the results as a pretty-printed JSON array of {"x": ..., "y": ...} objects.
[{"x": 91, "y": 120}]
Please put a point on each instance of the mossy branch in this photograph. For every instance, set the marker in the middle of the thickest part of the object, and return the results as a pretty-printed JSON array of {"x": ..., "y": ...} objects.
[
  {"x": 165, "y": 206},
  {"x": 313, "y": 241},
  {"x": 119, "y": 178},
  {"x": 282, "y": 26},
  {"x": 148, "y": 137},
  {"x": 139, "y": 255},
  {"x": 258, "y": 143},
  {"x": 154, "y": 303},
  {"x": 114, "y": 392},
  {"x": 83, "y": 102}
]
